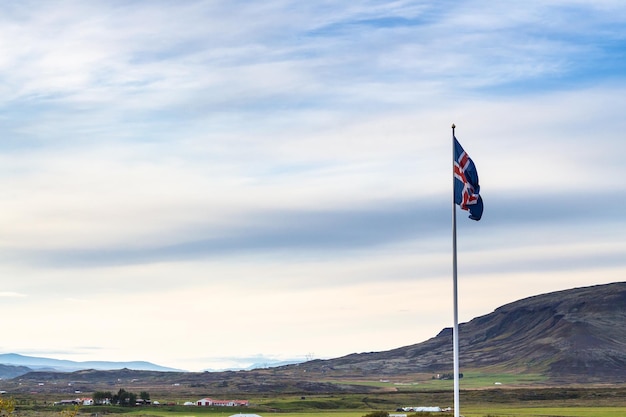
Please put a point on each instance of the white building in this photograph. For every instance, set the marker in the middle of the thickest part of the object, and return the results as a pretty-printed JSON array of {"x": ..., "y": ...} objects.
[
  {"x": 245, "y": 415},
  {"x": 210, "y": 402},
  {"x": 418, "y": 409}
]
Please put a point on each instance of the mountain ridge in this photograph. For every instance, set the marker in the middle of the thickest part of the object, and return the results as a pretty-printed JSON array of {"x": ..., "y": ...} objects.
[
  {"x": 564, "y": 334},
  {"x": 569, "y": 336},
  {"x": 63, "y": 365}
]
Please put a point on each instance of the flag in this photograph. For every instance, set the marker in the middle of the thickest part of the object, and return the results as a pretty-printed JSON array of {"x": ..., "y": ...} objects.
[{"x": 466, "y": 188}]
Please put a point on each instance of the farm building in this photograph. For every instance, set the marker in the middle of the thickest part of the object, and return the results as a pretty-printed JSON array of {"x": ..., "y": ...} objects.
[
  {"x": 422, "y": 409},
  {"x": 77, "y": 401},
  {"x": 210, "y": 402}
]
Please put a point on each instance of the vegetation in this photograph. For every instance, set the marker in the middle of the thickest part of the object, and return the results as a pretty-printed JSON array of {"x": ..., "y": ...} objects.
[
  {"x": 500, "y": 402},
  {"x": 545, "y": 411},
  {"x": 6, "y": 406},
  {"x": 102, "y": 397},
  {"x": 70, "y": 412}
]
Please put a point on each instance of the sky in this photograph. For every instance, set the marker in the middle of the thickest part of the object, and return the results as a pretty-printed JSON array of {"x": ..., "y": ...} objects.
[{"x": 211, "y": 184}]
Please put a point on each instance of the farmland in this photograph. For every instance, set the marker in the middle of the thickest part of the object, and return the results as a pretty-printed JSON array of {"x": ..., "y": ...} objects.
[{"x": 528, "y": 401}]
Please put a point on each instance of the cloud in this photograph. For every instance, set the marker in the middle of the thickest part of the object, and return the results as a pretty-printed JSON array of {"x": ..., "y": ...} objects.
[
  {"x": 295, "y": 231},
  {"x": 10, "y": 294},
  {"x": 288, "y": 155}
]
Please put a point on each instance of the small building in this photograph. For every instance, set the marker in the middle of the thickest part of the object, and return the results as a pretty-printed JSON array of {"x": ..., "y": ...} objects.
[
  {"x": 423, "y": 409},
  {"x": 210, "y": 402}
]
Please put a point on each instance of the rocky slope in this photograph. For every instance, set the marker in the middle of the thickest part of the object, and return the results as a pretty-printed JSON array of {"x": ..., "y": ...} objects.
[{"x": 577, "y": 334}]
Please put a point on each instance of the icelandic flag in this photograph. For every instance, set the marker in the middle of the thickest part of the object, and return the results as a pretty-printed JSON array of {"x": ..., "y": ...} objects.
[{"x": 466, "y": 188}]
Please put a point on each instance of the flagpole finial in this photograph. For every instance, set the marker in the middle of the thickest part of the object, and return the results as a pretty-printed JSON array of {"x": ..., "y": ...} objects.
[{"x": 453, "y": 126}]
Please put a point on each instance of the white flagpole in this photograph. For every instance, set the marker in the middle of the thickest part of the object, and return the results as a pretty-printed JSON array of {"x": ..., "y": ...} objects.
[{"x": 455, "y": 331}]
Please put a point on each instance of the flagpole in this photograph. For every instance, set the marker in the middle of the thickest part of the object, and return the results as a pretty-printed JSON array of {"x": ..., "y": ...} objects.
[{"x": 455, "y": 331}]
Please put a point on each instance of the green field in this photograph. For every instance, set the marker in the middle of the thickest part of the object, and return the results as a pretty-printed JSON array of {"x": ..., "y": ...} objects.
[
  {"x": 473, "y": 410},
  {"x": 470, "y": 380},
  {"x": 544, "y": 412},
  {"x": 515, "y": 396},
  {"x": 486, "y": 411}
]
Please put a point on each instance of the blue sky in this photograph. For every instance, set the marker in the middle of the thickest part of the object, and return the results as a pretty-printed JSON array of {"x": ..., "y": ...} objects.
[{"x": 272, "y": 179}]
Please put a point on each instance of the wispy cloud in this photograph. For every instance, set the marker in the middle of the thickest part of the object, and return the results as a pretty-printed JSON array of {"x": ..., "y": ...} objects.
[{"x": 10, "y": 294}]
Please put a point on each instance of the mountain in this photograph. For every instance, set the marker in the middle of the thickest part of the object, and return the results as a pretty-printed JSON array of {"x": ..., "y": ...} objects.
[
  {"x": 13, "y": 364},
  {"x": 11, "y": 371},
  {"x": 576, "y": 334},
  {"x": 571, "y": 336}
]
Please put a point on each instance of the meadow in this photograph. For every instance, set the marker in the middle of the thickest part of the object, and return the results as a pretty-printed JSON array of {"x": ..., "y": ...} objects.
[
  {"x": 595, "y": 403},
  {"x": 473, "y": 411},
  {"x": 482, "y": 395}
]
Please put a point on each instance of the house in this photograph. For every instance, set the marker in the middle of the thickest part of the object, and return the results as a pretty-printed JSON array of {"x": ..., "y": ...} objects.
[{"x": 210, "y": 402}]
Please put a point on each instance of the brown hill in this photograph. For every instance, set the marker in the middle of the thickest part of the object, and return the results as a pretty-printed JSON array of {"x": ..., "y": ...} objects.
[
  {"x": 577, "y": 334},
  {"x": 570, "y": 336}
]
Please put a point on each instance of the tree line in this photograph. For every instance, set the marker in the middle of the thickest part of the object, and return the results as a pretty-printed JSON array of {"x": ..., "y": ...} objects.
[{"x": 123, "y": 397}]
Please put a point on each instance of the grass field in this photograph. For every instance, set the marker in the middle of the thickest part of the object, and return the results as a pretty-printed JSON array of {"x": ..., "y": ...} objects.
[
  {"x": 544, "y": 412},
  {"x": 470, "y": 380},
  {"x": 475, "y": 410},
  {"x": 487, "y": 411},
  {"x": 515, "y": 396}
]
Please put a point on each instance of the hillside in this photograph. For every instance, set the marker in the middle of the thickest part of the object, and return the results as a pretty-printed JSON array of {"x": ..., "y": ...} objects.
[
  {"x": 571, "y": 336},
  {"x": 11, "y": 371},
  {"x": 576, "y": 334}
]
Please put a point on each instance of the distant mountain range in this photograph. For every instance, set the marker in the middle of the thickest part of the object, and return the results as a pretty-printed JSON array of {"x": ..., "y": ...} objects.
[
  {"x": 13, "y": 364},
  {"x": 571, "y": 336}
]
